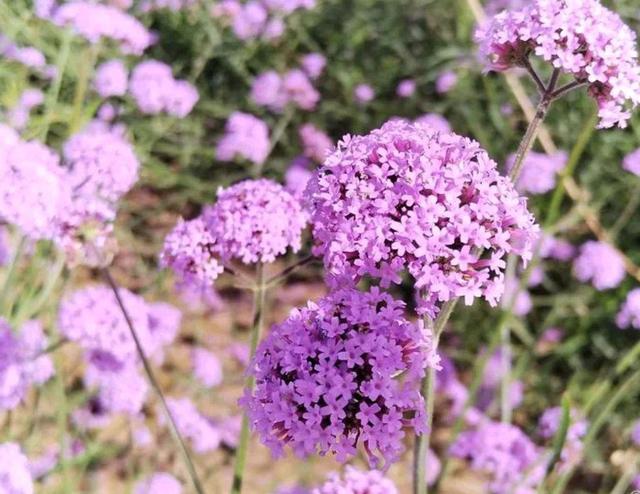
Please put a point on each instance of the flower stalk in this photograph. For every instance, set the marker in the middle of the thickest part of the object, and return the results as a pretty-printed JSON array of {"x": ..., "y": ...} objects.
[{"x": 258, "y": 322}]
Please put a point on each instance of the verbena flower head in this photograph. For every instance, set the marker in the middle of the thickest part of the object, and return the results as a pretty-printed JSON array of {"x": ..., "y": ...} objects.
[
  {"x": 28, "y": 56},
  {"x": 313, "y": 64},
  {"x": 194, "y": 426},
  {"x": 15, "y": 477},
  {"x": 538, "y": 174},
  {"x": 446, "y": 81},
  {"x": 572, "y": 450},
  {"x": 434, "y": 120},
  {"x": 101, "y": 163},
  {"x": 94, "y": 21},
  {"x": 19, "y": 115},
  {"x": 255, "y": 221},
  {"x": 599, "y": 263},
  {"x": 316, "y": 144},
  {"x": 631, "y": 162},
  {"x": 297, "y": 176},
  {"x": 122, "y": 390},
  {"x": 207, "y": 368},
  {"x": 408, "y": 198},
  {"x": 363, "y": 93},
  {"x": 504, "y": 452},
  {"x": 155, "y": 90},
  {"x": 111, "y": 79},
  {"x": 34, "y": 191},
  {"x": 276, "y": 91},
  {"x": 406, "y": 88},
  {"x": 246, "y": 136},
  {"x": 92, "y": 317},
  {"x": 356, "y": 481},
  {"x": 158, "y": 483},
  {"x": 582, "y": 38},
  {"x": 328, "y": 378},
  {"x": 629, "y": 315}
]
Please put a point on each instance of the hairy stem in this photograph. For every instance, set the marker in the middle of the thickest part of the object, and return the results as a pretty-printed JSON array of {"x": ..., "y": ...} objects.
[
  {"x": 427, "y": 388},
  {"x": 156, "y": 387},
  {"x": 258, "y": 322}
]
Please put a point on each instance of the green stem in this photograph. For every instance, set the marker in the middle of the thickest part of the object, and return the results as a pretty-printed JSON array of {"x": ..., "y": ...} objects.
[
  {"x": 54, "y": 92},
  {"x": 258, "y": 322},
  {"x": 5, "y": 308},
  {"x": 427, "y": 388},
  {"x": 154, "y": 384}
]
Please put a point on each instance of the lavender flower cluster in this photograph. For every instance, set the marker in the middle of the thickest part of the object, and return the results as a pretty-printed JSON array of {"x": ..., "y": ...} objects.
[
  {"x": 276, "y": 91},
  {"x": 408, "y": 198},
  {"x": 326, "y": 378},
  {"x": 15, "y": 477},
  {"x": 246, "y": 136},
  {"x": 252, "y": 221},
  {"x": 582, "y": 38}
]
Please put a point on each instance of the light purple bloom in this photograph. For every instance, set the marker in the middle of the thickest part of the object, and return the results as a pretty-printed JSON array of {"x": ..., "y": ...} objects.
[
  {"x": 356, "y": 481},
  {"x": 246, "y": 136},
  {"x": 599, "y": 263},
  {"x": 158, "y": 483},
  {"x": 155, "y": 90},
  {"x": 316, "y": 144},
  {"x": 631, "y": 162},
  {"x": 94, "y": 22},
  {"x": 193, "y": 425},
  {"x": 111, "y": 79},
  {"x": 297, "y": 176},
  {"x": 15, "y": 477},
  {"x": 629, "y": 315},
  {"x": 435, "y": 121},
  {"x": 571, "y": 454},
  {"x": 207, "y": 368},
  {"x": 19, "y": 114},
  {"x": 119, "y": 390},
  {"x": 582, "y": 38},
  {"x": 313, "y": 64},
  {"x": 539, "y": 170},
  {"x": 407, "y": 198},
  {"x": 446, "y": 81},
  {"x": 276, "y": 91},
  {"x": 363, "y": 93},
  {"x": 406, "y": 88},
  {"x": 635, "y": 433},
  {"x": 325, "y": 378}
]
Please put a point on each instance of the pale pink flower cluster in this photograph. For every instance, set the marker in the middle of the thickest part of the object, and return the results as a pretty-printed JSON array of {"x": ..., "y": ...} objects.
[{"x": 276, "y": 91}]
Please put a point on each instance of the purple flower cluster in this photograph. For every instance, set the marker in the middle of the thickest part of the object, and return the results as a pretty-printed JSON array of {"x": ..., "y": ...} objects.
[
  {"x": 207, "y": 368},
  {"x": 27, "y": 56},
  {"x": 631, "y": 162},
  {"x": 92, "y": 318},
  {"x": 406, "y": 88},
  {"x": 580, "y": 37},
  {"x": 34, "y": 192},
  {"x": 21, "y": 364},
  {"x": 200, "y": 430},
  {"x": 246, "y": 136},
  {"x": 19, "y": 115},
  {"x": 297, "y": 176},
  {"x": 539, "y": 170},
  {"x": 313, "y": 64},
  {"x": 356, "y": 481},
  {"x": 252, "y": 221},
  {"x": 158, "y": 483},
  {"x": 599, "y": 263},
  {"x": 446, "y": 81},
  {"x": 276, "y": 91},
  {"x": 503, "y": 451},
  {"x": 326, "y": 378},
  {"x": 94, "y": 22},
  {"x": 434, "y": 120},
  {"x": 548, "y": 426},
  {"x": 316, "y": 144},
  {"x": 363, "y": 93},
  {"x": 258, "y": 18},
  {"x": 120, "y": 390},
  {"x": 15, "y": 477},
  {"x": 408, "y": 198},
  {"x": 155, "y": 90},
  {"x": 629, "y": 315},
  {"x": 111, "y": 79}
]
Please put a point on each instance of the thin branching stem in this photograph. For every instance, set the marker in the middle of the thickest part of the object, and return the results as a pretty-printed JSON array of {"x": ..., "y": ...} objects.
[
  {"x": 542, "y": 89},
  {"x": 154, "y": 384},
  {"x": 289, "y": 270},
  {"x": 427, "y": 388},
  {"x": 561, "y": 91},
  {"x": 258, "y": 322}
]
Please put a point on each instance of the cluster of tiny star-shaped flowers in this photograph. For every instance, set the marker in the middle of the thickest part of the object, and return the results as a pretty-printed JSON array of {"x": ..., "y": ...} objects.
[
  {"x": 252, "y": 221},
  {"x": 408, "y": 198},
  {"x": 582, "y": 38},
  {"x": 629, "y": 315},
  {"x": 340, "y": 373},
  {"x": 356, "y": 481},
  {"x": 503, "y": 451}
]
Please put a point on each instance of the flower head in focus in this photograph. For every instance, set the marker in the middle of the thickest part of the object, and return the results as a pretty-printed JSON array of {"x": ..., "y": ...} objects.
[
  {"x": 327, "y": 378},
  {"x": 355, "y": 481},
  {"x": 582, "y": 38},
  {"x": 406, "y": 198}
]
